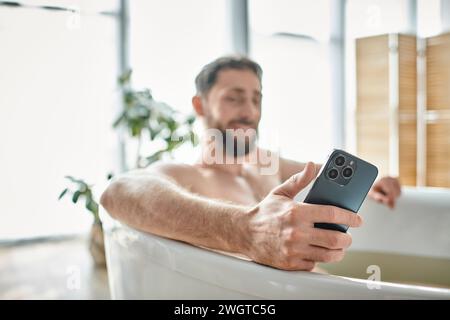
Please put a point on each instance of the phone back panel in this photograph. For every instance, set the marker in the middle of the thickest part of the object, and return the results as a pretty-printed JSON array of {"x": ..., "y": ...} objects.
[{"x": 326, "y": 191}]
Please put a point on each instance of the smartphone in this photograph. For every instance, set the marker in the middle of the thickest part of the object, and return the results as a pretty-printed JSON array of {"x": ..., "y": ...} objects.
[{"x": 344, "y": 181}]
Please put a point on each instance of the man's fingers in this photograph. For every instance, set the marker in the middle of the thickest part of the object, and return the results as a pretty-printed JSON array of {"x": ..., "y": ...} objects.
[
  {"x": 393, "y": 191},
  {"x": 299, "y": 264},
  {"x": 396, "y": 187},
  {"x": 380, "y": 197},
  {"x": 319, "y": 254},
  {"x": 388, "y": 199},
  {"x": 385, "y": 189},
  {"x": 297, "y": 182},
  {"x": 329, "y": 239},
  {"x": 390, "y": 188},
  {"x": 330, "y": 214}
]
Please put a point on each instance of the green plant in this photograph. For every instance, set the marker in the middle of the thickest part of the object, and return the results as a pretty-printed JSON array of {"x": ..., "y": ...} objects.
[
  {"x": 82, "y": 190},
  {"x": 143, "y": 114}
]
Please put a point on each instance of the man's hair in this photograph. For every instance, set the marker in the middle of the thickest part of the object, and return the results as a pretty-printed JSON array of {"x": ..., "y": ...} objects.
[{"x": 207, "y": 77}]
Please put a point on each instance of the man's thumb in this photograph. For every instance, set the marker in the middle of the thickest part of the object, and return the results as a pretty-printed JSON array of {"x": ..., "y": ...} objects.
[{"x": 297, "y": 182}]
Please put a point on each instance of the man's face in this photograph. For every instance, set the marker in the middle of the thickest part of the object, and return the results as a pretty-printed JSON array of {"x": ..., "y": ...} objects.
[{"x": 234, "y": 102}]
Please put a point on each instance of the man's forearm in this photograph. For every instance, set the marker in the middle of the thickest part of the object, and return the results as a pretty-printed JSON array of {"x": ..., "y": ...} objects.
[{"x": 156, "y": 205}]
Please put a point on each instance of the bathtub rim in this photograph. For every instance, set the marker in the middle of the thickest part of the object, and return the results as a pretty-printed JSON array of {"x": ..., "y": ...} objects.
[{"x": 171, "y": 255}]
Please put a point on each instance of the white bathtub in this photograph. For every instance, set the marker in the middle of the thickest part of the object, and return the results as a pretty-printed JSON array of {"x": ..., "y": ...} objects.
[{"x": 144, "y": 266}]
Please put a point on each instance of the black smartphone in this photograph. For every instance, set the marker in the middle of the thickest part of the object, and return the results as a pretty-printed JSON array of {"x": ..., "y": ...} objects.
[{"x": 344, "y": 181}]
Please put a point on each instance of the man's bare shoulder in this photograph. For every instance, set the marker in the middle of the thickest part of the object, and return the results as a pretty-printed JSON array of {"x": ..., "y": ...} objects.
[
  {"x": 172, "y": 168},
  {"x": 183, "y": 174}
]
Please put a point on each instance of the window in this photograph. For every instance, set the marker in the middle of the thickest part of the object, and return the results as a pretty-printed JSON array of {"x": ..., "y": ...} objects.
[
  {"x": 371, "y": 17},
  {"x": 170, "y": 41},
  {"x": 290, "y": 39},
  {"x": 58, "y": 88},
  {"x": 429, "y": 18}
]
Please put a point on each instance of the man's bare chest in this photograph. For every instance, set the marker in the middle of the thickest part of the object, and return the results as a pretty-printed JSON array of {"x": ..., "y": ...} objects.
[{"x": 246, "y": 190}]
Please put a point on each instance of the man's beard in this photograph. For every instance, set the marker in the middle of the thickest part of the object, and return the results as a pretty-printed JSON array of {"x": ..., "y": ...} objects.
[
  {"x": 236, "y": 145},
  {"x": 240, "y": 145}
]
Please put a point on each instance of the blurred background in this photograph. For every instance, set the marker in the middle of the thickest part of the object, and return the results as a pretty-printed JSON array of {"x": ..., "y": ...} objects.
[{"x": 370, "y": 76}]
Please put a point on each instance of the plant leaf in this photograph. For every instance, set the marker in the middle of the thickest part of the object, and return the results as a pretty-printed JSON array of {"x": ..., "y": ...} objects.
[
  {"x": 119, "y": 120},
  {"x": 75, "y": 197},
  {"x": 155, "y": 157},
  {"x": 81, "y": 183},
  {"x": 92, "y": 206},
  {"x": 72, "y": 179},
  {"x": 194, "y": 139},
  {"x": 63, "y": 193},
  {"x": 190, "y": 120},
  {"x": 125, "y": 77}
]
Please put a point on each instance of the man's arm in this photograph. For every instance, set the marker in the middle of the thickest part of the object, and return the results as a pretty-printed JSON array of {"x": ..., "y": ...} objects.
[
  {"x": 153, "y": 202},
  {"x": 278, "y": 231}
]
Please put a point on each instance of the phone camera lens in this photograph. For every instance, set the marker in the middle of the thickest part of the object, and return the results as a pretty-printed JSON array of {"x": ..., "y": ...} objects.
[
  {"x": 339, "y": 161},
  {"x": 347, "y": 172},
  {"x": 333, "y": 173}
]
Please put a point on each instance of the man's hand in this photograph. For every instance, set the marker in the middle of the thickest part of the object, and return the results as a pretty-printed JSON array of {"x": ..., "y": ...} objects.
[
  {"x": 282, "y": 234},
  {"x": 386, "y": 191}
]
